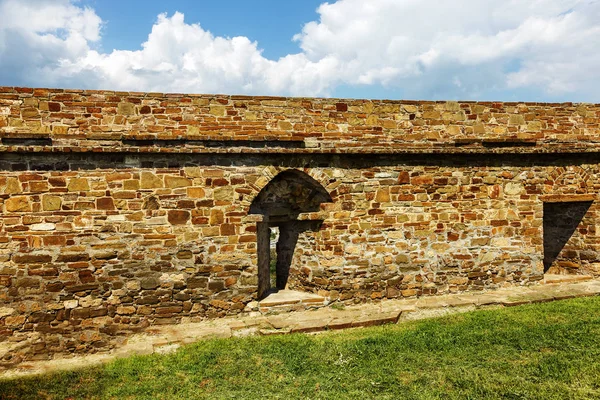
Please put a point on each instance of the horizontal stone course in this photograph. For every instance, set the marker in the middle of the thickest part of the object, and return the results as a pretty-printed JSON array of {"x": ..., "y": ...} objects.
[{"x": 99, "y": 120}]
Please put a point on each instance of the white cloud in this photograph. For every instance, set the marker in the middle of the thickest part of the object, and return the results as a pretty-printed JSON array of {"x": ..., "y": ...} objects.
[{"x": 420, "y": 49}]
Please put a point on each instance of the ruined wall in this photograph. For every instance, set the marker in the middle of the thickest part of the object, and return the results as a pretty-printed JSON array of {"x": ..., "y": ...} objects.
[{"x": 120, "y": 210}]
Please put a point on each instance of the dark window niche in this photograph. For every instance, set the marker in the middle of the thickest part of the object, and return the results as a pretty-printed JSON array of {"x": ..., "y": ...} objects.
[{"x": 561, "y": 220}]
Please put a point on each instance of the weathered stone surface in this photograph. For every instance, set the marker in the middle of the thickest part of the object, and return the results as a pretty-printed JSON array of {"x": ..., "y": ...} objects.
[
  {"x": 13, "y": 186},
  {"x": 101, "y": 239},
  {"x": 51, "y": 203},
  {"x": 125, "y": 108},
  {"x": 105, "y": 203},
  {"x": 178, "y": 217},
  {"x": 18, "y": 204},
  {"x": 78, "y": 185},
  {"x": 31, "y": 258},
  {"x": 150, "y": 181},
  {"x": 177, "y": 181}
]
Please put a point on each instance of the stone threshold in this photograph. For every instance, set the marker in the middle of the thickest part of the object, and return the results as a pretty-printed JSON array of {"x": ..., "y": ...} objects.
[{"x": 166, "y": 339}]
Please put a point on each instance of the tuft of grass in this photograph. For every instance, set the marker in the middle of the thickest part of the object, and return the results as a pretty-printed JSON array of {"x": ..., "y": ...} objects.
[{"x": 542, "y": 351}]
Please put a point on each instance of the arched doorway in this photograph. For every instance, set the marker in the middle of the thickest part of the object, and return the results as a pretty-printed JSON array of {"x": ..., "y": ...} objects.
[{"x": 281, "y": 201}]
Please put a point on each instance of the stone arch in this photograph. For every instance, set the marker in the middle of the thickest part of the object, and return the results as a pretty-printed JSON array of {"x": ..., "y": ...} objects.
[
  {"x": 288, "y": 194},
  {"x": 568, "y": 181},
  {"x": 280, "y": 202},
  {"x": 268, "y": 173}
]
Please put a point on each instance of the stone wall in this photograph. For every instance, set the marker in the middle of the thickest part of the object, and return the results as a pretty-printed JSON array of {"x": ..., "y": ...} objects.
[{"x": 125, "y": 210}]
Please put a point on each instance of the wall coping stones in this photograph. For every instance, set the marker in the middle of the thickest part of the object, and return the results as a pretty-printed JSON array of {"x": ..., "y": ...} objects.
[{"x": 58, "y": 120}]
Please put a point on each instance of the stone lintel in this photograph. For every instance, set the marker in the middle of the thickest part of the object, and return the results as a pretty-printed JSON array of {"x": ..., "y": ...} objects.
[{"x": 563, "y": 198}]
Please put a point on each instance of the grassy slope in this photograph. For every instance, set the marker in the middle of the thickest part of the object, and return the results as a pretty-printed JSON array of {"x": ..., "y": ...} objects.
[{"x": 547, "y": 350}]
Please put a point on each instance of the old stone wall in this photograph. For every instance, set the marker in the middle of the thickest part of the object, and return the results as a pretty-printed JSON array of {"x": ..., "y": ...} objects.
[{"x": 125, "y": 210}]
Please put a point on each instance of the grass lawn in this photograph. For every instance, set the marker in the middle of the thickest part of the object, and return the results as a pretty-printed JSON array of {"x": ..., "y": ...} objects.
[{"x": 543, "y": 351}]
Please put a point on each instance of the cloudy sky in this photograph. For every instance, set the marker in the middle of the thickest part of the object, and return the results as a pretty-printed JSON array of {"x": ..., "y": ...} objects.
[{"x": 526, "y": 50}]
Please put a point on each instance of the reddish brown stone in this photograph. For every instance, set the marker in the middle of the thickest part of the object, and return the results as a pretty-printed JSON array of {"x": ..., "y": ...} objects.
[
  {"x": 31, "y": 258},
  {"x": 105, "y": 203},
  {"x": 178, "y": 217}
]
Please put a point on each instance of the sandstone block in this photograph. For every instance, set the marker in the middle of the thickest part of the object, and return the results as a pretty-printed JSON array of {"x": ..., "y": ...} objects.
[
  {"x": 196, "y": 193},
  {"x": 70, "y": 304},
  {"x": 18, "y": 204},
  {"x": 78, "y": 185},
  {"x": 197, "y": 282},
  {"x": 31, "y": 258},
  {"x": 43, "y": 227},
  {"x": 513, "y": 188},
  {"x": 131, "y": 184},
  {"x": 177, "y": 181},
  {"x": 126, "y": 310},
  {"x": 422, "y": 180},
  {"x": 149, "y": 283},
  {"x": 216, "y": 217},
  {"x": 15, "y": 320},
  {"x": 193, "y": 172},
  {"x": 150, "y": 181},
  {"x": 382, "y": 195},
  {"x": 125, "y": 108},
  {"x": 105, "y": 203},
  {"x": 219, "y": 111},
  {"x": 13, "y": 186},
  {"x": 516, "y": 119},
  {"x": 5, "y": 281},
  {"x": 224, "y": 193},
  {"x": 178, "y": 217},
  {"x": 285, "y": 125}
]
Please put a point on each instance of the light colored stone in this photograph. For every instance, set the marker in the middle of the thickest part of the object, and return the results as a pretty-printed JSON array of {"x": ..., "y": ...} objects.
[
  {"x": 177, "y": 181},
  {"x": 513, "y": 188},
  {"x": 150, "y": 181},
  {"x": 13, "y": 186},
  {"x": 125, "y": 108},
  {"x": 70, "y": 304},
  {"x": 51, "y": 203},
  {"x": 5, "y": 311},
  {"x": 78, "y": 185},
  {"x": 43, "y": 227}
]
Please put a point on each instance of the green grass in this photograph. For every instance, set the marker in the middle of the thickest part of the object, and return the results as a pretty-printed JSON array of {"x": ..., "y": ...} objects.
[{"x": 544, "y": 351}]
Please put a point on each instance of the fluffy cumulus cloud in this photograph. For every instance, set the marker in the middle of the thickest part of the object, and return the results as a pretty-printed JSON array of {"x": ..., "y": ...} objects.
[{"x": 540, "y": 49}]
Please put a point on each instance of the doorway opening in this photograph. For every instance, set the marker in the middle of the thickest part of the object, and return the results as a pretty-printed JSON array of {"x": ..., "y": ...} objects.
[{"x": 281, "y": 201}]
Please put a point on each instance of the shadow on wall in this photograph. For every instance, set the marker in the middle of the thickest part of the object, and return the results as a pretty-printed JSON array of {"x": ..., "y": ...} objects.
[{"x": 560, "y": 222}]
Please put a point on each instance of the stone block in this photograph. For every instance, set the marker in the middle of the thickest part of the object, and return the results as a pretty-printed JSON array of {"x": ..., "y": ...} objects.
[
  {"x": 177, "y": 181},
  {"x": 13, "y": 186},
  {"x": 78, "y": 185},
  {"x": 51, "y": 203},
  {"x": 105, "y": 203},
  {"x": 125, "y": 108},
  {"x": 149, "y": 283},
  {"x": 131, "y": 184},
  {"x": 30, "y": 258},
  {"x": 219, "y": 111},
  {"x": 150, "y": 181},
  {"x": 17, "y": 204},
  {"x": 43, "y": 227},
  {"x": 216, "y": 217},
  {"x": 178, "y": 217}
]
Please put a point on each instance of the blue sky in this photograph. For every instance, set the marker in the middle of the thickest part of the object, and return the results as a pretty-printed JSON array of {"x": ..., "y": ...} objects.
[
  {"x": 513, "y": 50},
  {"x": 272, "y": 23}
]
